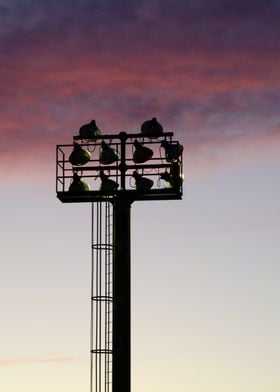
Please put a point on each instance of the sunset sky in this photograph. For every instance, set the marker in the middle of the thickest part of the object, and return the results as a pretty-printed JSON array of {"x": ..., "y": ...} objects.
[{"x": 205, "y": 269}]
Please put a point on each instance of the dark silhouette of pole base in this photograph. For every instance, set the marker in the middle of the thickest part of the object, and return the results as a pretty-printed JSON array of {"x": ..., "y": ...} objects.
[{"x": 121, "y": 377}]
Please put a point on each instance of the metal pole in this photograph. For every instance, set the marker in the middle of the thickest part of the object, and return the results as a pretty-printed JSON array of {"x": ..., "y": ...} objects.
[{"x": 121, "y": 381}]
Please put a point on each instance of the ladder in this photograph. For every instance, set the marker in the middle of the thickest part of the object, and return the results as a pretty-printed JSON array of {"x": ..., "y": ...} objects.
[
  {"x": 109, "y": 295},
  {"x": 101, "y": 330}
]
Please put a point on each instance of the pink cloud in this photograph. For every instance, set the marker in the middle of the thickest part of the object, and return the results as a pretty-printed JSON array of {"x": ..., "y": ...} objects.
[
  {"x": 35, "y": 360},
  {"x": 199, "y": 71}
]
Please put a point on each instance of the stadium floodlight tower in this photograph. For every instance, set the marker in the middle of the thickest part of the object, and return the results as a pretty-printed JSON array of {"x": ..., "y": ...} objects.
[{"x": 111, "y": 172}]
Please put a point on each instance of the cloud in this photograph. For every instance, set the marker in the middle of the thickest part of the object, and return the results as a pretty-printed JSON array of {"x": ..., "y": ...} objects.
[
  {"x": 206, "y": 70},
  {"x": 36, "y": 360}
]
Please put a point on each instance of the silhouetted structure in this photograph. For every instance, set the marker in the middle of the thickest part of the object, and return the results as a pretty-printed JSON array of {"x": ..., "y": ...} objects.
[{"x": 111, "y": 172}]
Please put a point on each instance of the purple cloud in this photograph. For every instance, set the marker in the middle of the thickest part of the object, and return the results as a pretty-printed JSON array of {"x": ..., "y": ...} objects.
[
  {"x": 36, "y": 360},
  {"x": 206, "y": 70}
]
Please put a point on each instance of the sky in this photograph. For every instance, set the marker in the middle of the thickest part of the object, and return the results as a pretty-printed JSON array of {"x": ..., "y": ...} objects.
[{"x": 205, "y": 270}]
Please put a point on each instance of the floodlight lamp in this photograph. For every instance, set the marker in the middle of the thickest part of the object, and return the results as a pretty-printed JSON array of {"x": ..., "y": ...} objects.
[
  {"x": 152, "y": 128},
  {"x": 79, "y": 156},
  {"x": 77, "y": 185},
  {"x": 106, "y": 183},
  {"x": 142, "y": 183},
  {"x": 172, "y": 151},
  {"x": 167, "y": 178},
  {"x": 141, "y": 154},
  {"x": 108, "y": 155},
  {"x": 175, "y": 172},
  {"x": 89, "y": 131},
  {"x": 174, "y": 178}
]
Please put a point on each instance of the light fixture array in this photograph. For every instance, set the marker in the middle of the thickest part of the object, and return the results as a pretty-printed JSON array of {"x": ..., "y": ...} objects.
[{"x": 144, "y": 162}]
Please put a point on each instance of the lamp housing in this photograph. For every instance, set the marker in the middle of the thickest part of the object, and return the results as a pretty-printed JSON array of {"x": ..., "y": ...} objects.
[
  {"x": 78, "y": 185},
  {"x": 108, "y": 155},
  {"x": 152, "y": 128},
  {"x": 89, "y": 131},
  {"x": 106, "y": 183},
  {"x": 175, "y": 172},
  {"x": 167, "y": 178},
  {"x": 141, "y": 154},
  {"x": 79, "y": 156},
  {"x": 174, "y": 178},
  {"x": 142, "y": 183},
  {"x": 172, "y": 151}
]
